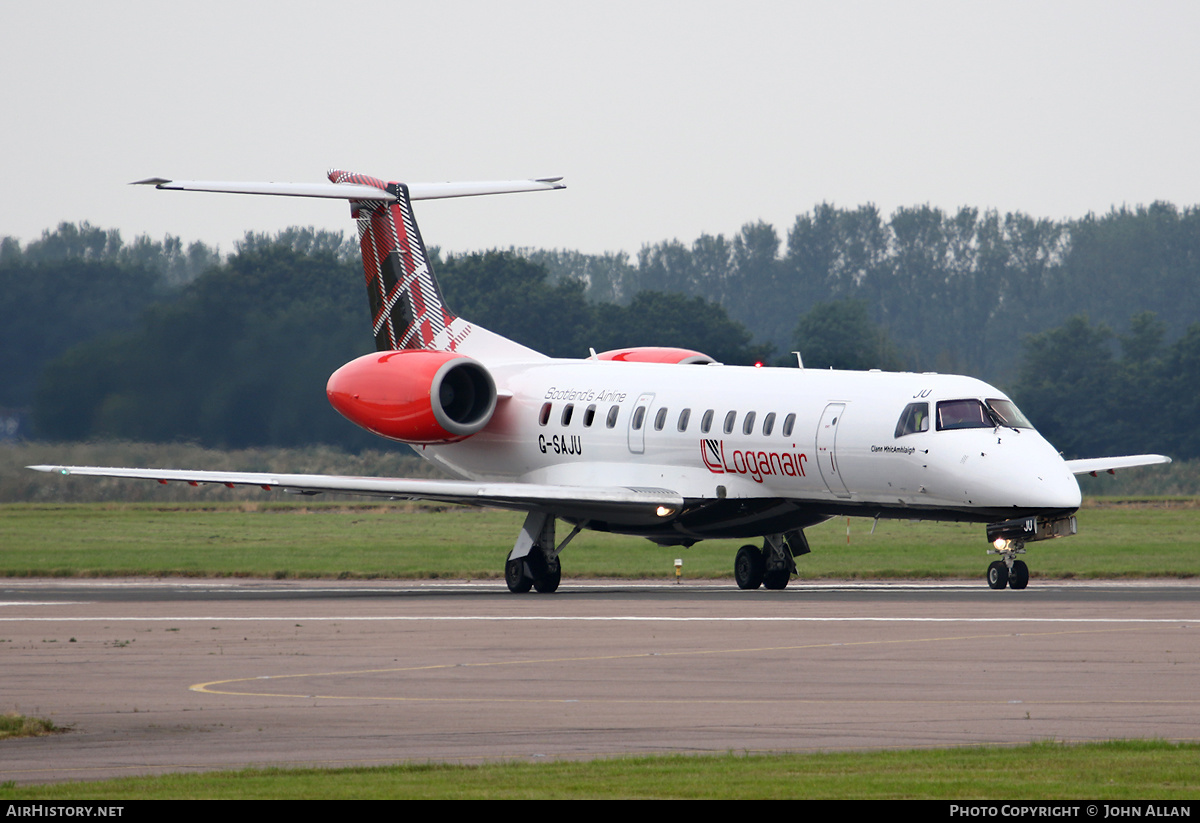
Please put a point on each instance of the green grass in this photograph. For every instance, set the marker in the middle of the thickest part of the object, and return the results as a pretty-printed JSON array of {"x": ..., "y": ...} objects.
[
  {"x": 1121, "y": 770},
  {"x": 18, "y": 725},
  {"x": 275, "y": 538}
]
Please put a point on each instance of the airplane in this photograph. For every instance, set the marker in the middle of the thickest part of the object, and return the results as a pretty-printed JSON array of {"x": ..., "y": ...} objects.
[{"x": 660, "y": 442}]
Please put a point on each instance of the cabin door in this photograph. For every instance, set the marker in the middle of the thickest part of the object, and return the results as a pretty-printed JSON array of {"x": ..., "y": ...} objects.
[{"x": 827, "y": 460}]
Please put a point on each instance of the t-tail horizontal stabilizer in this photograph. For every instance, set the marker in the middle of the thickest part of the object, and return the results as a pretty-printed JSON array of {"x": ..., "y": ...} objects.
[
  {"x": 354, "y": 191},
  {"x": 407, "y": 307}
]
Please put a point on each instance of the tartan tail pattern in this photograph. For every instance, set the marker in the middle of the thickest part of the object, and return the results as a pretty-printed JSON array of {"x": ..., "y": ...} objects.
[{"x": 407, "y": 308}]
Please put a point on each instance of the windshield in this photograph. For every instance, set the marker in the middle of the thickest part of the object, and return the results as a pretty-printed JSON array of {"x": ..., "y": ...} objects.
[
  {"x": 978, "y": 414},
  {"x": 1008, "y": 414},
  {"x": 963, "y": 414}
]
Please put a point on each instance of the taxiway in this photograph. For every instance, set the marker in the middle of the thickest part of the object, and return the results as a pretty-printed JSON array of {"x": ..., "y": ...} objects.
[{"x": 159, "y": 676}]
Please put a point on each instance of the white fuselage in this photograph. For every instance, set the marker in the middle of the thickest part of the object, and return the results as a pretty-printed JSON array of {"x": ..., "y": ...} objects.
[{"x": 832, "y": 446}]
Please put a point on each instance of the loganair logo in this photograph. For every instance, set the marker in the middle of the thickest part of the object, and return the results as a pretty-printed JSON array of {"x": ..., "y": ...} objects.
[{"x": 756, "y": 464}]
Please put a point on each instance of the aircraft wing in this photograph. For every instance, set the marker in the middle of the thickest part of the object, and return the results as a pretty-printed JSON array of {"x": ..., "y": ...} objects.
[
  {"x": 592, "y": 502},
  {"x": 1092, "y": 465}
]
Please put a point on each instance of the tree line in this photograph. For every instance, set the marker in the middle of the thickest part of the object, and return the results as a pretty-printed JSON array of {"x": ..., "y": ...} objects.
[
  {"x": 239, "y": 356},
  {"x": 955, "y": 292},
  {"x": 1089, "y": 324}
]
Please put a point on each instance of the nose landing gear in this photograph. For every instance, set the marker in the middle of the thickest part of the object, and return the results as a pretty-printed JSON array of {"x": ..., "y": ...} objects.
[
  {"x": 1008, "y": 539},
  {"x": 1011, "y": 573},
  {"x": 1008, "y": 571}
]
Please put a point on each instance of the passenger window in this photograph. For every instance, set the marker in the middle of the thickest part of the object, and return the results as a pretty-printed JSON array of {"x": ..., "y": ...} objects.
[
  {"x": 748, "y": 426},
  {"x": 914, "y": 418},
  {"x": 611, "y": 422},
  {"x": 544, "y": 417},
  {"x": 684, "y": 416},
  {"x": 660, "y": 419},
  {"x": 639, "y": 415},
  {"x": 789, "y": 423},
  {"x": 730, "y": 419},
  {"x": 566, "y": 415},
  {"x": 768, "y": 424},
  {"x": 589, "y": 415},
  {"x": 706, "y": 422}
]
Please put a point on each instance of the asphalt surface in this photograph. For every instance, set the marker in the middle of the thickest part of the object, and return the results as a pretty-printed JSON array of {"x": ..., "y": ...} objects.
[{"x": 177, "y": 675}]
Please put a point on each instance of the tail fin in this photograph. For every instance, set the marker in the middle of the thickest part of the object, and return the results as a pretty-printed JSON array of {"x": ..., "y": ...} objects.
[{"x": 407, "y": 307}]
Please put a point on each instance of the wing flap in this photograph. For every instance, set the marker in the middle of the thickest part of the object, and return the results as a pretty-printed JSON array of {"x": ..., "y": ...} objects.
[{"x": 584, "y": 501}]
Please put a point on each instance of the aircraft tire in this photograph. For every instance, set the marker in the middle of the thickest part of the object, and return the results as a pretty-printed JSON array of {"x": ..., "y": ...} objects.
[
  {"x": 1018, "y": 578},
  {"x": 549, "y": 577},
  {"x": 777, "y": 579},
  {"x": 997, "y": 574},
  {"x": 748, "y": 567},
  {"x": 517, "y": 576}
]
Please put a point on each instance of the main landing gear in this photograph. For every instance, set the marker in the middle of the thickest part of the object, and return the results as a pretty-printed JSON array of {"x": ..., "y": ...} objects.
[
  {"x": 535, "y": 571},
  {"x": 771, "y": 566},
  {"x": 533, "y": 562}
]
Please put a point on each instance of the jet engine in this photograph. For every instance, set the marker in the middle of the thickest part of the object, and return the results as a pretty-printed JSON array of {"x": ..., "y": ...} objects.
[
  {"x": 656, "y": 354},
  {"x": 414, "y": 396}
]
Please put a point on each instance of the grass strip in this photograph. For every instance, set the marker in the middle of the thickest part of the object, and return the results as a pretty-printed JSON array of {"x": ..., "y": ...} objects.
[
  {"x": 1155, "y": 538},
  {"x": 1117, "y": 770}
]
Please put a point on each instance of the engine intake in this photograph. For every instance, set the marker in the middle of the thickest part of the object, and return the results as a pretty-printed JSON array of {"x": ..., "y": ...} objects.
[{"x": 415, "y": 396}]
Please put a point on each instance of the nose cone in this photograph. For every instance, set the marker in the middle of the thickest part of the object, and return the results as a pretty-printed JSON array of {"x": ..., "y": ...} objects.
[
  {"x": 1016, "y": 471},
  {"x": 1049, "y": 483},
  {"x": 1054, "y": 487}
]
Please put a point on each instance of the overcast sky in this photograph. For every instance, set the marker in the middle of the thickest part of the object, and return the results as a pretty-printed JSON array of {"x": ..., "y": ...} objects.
[{"x": 667, "y": 119}]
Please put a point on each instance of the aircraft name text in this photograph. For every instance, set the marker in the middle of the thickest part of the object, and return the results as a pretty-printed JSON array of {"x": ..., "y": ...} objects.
[{"x": 893, "y": 449}]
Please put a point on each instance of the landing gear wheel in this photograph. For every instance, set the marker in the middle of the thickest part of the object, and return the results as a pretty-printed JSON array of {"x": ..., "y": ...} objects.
[
  {"x": 997, "y": 575},
  {"x": 748, "y": 567},
  {"x": 547, "y": 577},
  {"x": 516, "y": 576},
  {"x": 1018, "y": 576},
  {"x": 776, "y": 578}
]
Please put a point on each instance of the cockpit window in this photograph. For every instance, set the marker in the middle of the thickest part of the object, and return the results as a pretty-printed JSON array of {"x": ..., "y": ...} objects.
[
  {"x": 963, "y": 414},
  {"x": 1008, "y": 414},
  {"x": 914, "y": 418}
]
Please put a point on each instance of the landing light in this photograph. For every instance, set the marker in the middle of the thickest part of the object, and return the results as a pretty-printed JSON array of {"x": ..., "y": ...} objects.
[
  {"x": 1000, "y": 543},
  {"x": 664, "y": 511}
]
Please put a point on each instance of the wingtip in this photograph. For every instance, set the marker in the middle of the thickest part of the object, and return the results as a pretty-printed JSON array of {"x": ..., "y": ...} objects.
[{"x": 150, "y": 181}]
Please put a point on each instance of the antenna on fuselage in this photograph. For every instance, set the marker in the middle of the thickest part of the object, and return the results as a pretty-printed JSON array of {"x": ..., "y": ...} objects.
[{"x": 799, "y": 360}]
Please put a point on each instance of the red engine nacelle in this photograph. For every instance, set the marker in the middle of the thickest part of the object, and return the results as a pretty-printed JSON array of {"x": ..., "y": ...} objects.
[
  {"x": 415, "y": 396},
  {"x": 656, "y": 354}
]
